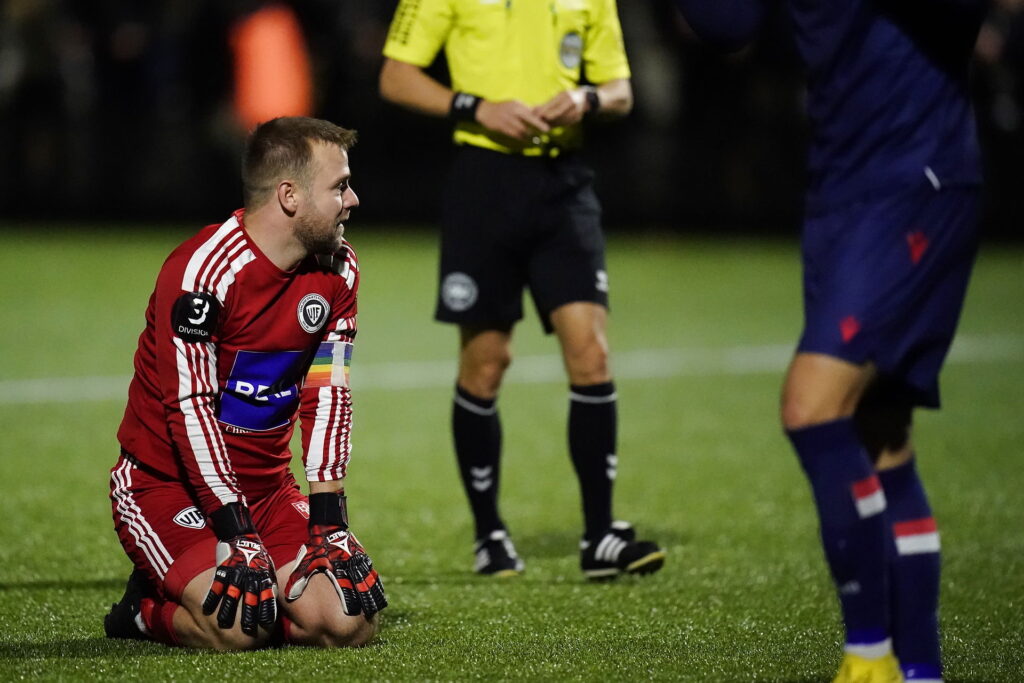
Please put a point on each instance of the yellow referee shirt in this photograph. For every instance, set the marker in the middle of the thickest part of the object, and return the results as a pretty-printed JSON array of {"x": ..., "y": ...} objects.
[{"x": 527, "y": 50}]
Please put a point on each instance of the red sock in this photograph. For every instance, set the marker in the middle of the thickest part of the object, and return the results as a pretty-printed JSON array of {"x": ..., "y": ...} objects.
[
  {"x": 286, "y": 628},
  {"x": 159, "y": 620}
]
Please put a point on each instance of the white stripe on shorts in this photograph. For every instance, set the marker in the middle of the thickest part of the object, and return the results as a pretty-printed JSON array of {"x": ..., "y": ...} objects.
[{"x": 145, "y": 537}]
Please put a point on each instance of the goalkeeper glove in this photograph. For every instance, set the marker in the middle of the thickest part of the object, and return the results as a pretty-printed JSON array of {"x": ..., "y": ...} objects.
[
  {"x": 244, "y": 570},
  {"x": 334, "y": 550}
]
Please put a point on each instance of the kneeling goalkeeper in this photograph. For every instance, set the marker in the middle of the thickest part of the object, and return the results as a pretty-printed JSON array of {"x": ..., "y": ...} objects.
[{"x": 249, "y": 329}]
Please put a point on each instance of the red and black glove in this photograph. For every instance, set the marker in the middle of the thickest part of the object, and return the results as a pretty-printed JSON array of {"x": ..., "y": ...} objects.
[
  {"x": 244, "y": 569},
  {"x": 334, "y": 550}
]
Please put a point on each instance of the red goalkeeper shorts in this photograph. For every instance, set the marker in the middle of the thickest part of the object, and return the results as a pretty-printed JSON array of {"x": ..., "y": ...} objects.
[{"x": 167, "y": 536}]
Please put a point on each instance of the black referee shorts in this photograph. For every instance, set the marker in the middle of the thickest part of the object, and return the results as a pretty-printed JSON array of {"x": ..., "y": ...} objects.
[{"x": 511, "y": 221}]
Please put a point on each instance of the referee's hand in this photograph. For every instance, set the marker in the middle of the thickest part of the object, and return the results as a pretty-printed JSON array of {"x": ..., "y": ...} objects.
[
  {"x": 511, "y": 118},
  {"x": 564, "y": 109}
]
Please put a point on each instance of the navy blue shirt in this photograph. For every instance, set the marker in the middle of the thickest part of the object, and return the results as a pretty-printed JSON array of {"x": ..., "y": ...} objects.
[{"x": 887, "y": 87}]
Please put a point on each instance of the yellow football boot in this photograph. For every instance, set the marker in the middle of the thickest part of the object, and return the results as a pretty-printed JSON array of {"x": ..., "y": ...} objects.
[{"x": 857, "y": 669}]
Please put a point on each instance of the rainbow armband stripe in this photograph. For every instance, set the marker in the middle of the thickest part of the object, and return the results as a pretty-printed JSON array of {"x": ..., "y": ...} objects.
[{"x": 330, "y": 365}]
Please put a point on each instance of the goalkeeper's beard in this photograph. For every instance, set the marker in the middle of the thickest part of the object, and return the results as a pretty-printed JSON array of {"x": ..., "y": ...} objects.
[{"x": 317, "y": 233}]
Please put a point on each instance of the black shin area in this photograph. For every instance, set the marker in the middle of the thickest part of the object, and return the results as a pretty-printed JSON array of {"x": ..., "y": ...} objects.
[{"x": 884, "y": 416}]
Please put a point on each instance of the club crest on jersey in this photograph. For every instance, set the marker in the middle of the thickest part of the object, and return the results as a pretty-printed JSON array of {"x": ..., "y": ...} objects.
[
  {"x": 313, "y": 312},
  {"x": 190, "y": 518},
  {"x": 570, "y": 51},
  {"x": 458, "y": 292}
]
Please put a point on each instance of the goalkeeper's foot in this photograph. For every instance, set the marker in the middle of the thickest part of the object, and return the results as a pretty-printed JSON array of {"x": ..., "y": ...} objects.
[
  {"x": 496, "y": 556},
  {"x": 125, "y": 617},
  {"x": 857, "y": 669},
  {"x": 618, "y": 552}
]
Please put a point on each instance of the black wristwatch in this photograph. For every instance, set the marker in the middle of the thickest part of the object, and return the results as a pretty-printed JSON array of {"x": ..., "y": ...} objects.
[{"x": 593, "y": 100}]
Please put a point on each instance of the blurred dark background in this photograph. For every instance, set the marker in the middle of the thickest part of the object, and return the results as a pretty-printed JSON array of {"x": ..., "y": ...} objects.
[{"x": 134, "y": 110}]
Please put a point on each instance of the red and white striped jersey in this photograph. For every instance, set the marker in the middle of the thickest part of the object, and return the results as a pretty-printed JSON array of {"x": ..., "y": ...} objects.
[{"x": 234, "y": 351}]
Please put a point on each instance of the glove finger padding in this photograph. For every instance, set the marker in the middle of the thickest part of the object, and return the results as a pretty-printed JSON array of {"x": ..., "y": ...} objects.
[
  {"x": 217, "y": 588},
  {"x": 267, "y": 601},
  {"x": 346, "y": 590},
  {"x": 229, "y": 603},
  {"x": 249, "y": 605},
  {"x": 368, "y": 585}
]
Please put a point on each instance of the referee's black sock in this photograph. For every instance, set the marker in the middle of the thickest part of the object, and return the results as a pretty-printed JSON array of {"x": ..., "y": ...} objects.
[
  {"x": 476, "y": 429},
  {"x": 592, "y": 433}
]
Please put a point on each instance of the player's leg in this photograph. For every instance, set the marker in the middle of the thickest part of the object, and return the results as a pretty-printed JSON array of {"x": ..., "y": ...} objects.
[
  {"x": 884, "y": 422},
  {"x": 938, "y": 241},
  {"x": 192, "y": 628},
  {"x": 608, "y": 548},
  {"x": 593, "y": 410},
  {"x": 883, "y": 282},
  {"x": 593, "y": 418},
  {"x": 820, "y": 396},
  {"x": 823, "y": 385},
  {"x": 484, "y": 355},
  {"x": 914, "y": 572},
  {"x": 483, "y": 231},
  {"x": 819, "y": 388},
  {"x": 569, "y": 285},
  {"x": 317, "y": 619},
  {"x": 146, "y": 613},
  {"x": 173, "y": 550}
]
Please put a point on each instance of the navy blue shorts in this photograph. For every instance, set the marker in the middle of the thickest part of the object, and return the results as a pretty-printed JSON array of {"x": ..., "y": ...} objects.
[
  {"x": 512, "y": 222},
  {"x": 885, "y": 279}
]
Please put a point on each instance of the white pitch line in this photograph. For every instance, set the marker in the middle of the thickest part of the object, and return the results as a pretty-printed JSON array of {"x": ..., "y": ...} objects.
[{"x": 639, "y": 364}]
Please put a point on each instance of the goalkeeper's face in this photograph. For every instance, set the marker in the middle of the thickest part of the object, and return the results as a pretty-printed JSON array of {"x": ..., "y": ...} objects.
[{"x": 327, "y": 202}]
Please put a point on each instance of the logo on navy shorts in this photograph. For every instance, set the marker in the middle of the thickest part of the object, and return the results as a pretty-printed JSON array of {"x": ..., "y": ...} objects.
[
  {"x": 313, "y": 312},
  {"x": 190, "y": 518},
  {"x": 458, "y": 292}
]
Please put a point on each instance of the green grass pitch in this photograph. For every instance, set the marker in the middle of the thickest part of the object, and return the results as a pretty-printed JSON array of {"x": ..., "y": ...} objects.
[{"x": 701, "y": 331}]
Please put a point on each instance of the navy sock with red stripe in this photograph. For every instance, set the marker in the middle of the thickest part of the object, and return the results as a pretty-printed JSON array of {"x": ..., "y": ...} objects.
[
  {"x": 914, "y": 574},
  {"x": 476, "y": 429},
  {"x": 851, "y": 511}
]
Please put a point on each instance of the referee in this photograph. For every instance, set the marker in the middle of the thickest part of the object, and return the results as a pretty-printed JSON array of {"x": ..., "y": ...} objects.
[{"x": 520, "y": 211}]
